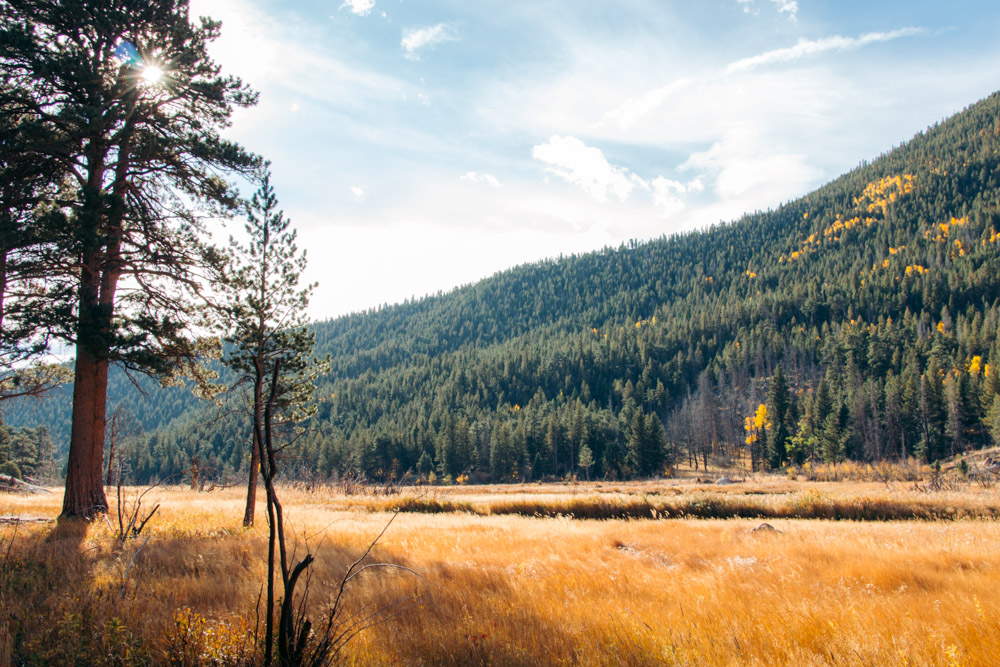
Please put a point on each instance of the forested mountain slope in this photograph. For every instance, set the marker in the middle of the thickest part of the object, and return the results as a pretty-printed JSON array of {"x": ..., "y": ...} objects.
[{"x": 859, "y": 321}]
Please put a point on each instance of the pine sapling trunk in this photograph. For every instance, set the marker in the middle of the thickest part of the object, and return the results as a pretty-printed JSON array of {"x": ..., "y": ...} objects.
[
  {"x": 257, "y": 450},
  {"x": 251, "y": 506},
  {"x": 291, "y": 645}
]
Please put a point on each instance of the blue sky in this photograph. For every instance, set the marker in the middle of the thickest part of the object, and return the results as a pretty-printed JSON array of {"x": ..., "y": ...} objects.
[{"x": 419, "y": 144}]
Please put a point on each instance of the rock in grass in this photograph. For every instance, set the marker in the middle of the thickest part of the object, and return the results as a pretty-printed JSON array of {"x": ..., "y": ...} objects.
[
  {"x": 723, "y": 480},
  {"x": 765, "y": 528}
]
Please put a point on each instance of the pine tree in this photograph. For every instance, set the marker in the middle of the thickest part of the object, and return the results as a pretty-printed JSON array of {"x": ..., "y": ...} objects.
[
  {"x": 264, "y": 316},
  {"x": 832, "y": 439},
  {"x": 554, "y": 439},
  {"x": 778, "y": 404},
  {"x": 646, "y": 443},
  {"x": 586, "y": 460},
  {"x": 269, "y": 347},
  {"x": 931, "y": 445},
  {"x": 124, "y": 95},
  {"x": 504, "y": 459},
  {"x": 425, "y": 464}
]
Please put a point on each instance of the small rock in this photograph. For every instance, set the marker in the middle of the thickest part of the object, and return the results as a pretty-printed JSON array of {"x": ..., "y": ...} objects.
[
  {"x": 765, "y": 528},
  {"x": 723, "y": 480}
]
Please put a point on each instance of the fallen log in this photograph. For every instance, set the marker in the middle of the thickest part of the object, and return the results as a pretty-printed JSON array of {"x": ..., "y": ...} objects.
[
  {"x": 11, "y": 520},
  {"x": 14, "y": 485}
]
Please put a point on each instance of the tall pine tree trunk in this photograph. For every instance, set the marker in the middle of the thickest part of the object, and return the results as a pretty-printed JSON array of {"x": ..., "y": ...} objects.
[
  {"x": 84, "y": 484},
  {"x": 99, "y": 273},
  {"x": 3, "y": 288}
]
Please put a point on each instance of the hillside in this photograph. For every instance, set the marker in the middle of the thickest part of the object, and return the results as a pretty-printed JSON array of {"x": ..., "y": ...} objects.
[{"x": 863, "y": 317}]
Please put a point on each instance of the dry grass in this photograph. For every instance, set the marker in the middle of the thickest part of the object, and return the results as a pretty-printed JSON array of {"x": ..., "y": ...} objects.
[{"x": 512, "y": 589}]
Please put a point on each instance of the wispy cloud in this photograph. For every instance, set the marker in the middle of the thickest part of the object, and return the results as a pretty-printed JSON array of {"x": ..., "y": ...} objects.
[
  {"x": 474, "y": 177},
  {"x": 357, "y": 193},
  {"x": 790, "y": 7},
  {"x": 415, "y": 39},
  {"x": 690, "y": 93},
  {"x": 805, "y": 48},
  {"x": 628, "y": 113},
  {"x": 358, "y": 7}
]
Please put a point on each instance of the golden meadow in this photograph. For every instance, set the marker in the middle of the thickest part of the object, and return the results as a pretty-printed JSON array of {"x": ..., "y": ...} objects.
[{"x": 856, "y": 572}]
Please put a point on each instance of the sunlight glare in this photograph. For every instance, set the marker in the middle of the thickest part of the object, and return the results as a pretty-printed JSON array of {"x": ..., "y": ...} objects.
[{"x": 152, "y": 74}]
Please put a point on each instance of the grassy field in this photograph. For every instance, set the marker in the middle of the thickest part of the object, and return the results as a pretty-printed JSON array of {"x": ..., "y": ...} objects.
[{"x": 506, "y": 575}]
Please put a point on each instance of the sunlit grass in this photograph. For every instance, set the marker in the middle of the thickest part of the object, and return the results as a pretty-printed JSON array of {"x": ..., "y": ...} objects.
[{"x": 512, "y": 589}]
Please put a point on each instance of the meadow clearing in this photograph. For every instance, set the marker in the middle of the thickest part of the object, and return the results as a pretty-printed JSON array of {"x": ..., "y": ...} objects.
[{"x": 493, "y": 577}]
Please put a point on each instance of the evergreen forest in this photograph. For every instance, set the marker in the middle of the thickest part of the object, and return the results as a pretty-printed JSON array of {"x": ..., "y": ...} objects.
[{"x": 860, "y": 322}]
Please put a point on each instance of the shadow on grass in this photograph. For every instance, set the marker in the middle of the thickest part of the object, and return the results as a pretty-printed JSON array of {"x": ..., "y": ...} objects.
[
  {"x": 68, "y": 533},
  {"x": 72, "y": 595}
]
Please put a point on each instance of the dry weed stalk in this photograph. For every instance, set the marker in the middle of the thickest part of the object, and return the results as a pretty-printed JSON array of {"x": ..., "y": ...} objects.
[
  {"x": 131, "y": 518},
  {"x": 298, "y": 642}
]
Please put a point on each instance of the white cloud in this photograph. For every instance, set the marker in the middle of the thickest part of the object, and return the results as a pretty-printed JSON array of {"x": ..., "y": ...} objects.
[
  {"x": 473, "y": 177},
  {"x": 586, "y": 167},
  {"x": 415, "y": 39},
  {"x": 359, "y": 7},
  {"x": 666, "y": 191},
  {"x": 790, "y": 7},
  {"x": 357, "y": 193},
  {"x": 805, "y": 48},
  {"x": 664, "y": 196},
  {"x": 743, "y": 167},
  {"x": 423, "y": 99}
]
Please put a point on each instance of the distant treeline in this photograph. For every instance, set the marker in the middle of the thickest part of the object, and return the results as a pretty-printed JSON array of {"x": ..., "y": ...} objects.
[{"x": 26, "y": 453}]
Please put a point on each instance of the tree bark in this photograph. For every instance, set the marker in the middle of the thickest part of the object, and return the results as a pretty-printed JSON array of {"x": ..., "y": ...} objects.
[
  {"x": 255, "y": 456},
  {"x": 3, "y": 288},
  {"x": 251, "y": 508},
  {"x": 84, "y": 484}
]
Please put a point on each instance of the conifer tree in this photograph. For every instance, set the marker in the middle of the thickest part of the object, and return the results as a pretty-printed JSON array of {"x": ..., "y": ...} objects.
[
  {"x": 504, "y": 460},
  {"x": 126, "y": 100},
  {"x": 270, "y": 349},
  {"x": 268, "y": 344},
  {"x": 646, "y": 443},
  {"x": 778, "y": 400},
  {"x": 586, "y": 460}
]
